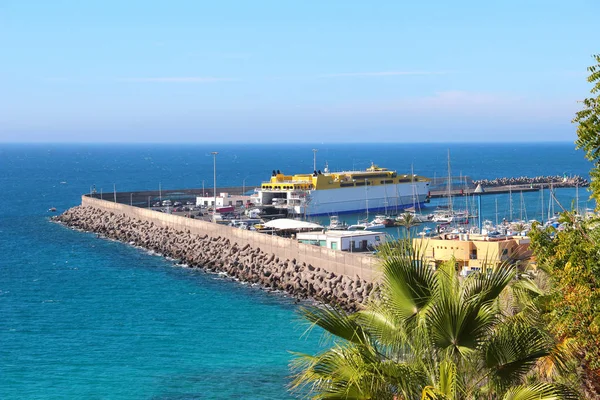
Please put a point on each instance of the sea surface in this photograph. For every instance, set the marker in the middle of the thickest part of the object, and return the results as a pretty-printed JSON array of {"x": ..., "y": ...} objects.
[{"x": 89, "y": 318}]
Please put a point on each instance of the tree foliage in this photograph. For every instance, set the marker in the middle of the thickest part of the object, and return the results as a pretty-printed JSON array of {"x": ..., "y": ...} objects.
[
  {"x": 572, "y": 259},
  {"x": 588, "y": 128},
  {"x": 572, "y": 256},
  {"x": 433, "y": 335}
]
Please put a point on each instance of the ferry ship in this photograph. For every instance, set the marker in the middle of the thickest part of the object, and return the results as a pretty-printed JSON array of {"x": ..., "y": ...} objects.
[{"x": 326, "y": 193}]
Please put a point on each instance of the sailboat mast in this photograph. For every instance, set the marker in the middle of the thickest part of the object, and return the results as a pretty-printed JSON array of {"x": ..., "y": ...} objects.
[
  {"x": 367, "y": 197},
  {"x": 466, "y": 198},
  {"x": 542, "y": 203},
  {"x": 521, "y": 207},
  {"x": 551, "y": 203},
  {"x": 385, "y": 199},
  {"x": 510, "y": 203},
  {"x": 496, "y": 211},
  {"x": 449, "y": 185},
  {"x": 412, "y": 183},
  {"x": 396, "y": 189},
  {"x": 577, "y": 198}
]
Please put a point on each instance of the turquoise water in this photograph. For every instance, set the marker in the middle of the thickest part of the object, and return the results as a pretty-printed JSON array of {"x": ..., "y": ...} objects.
[{"x": 82, "y": 317}]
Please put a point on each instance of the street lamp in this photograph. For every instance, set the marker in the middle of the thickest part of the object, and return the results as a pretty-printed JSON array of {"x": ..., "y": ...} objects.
[
  {"x": 214, "y": 153},
  {"x": 244, "y": 185},
  {"x": 314, "y": 159}
]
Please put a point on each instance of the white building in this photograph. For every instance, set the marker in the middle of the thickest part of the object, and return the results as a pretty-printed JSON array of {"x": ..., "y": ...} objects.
[
  {"x": 223, "y": 200},
  {"x": 343, "y": 240}
]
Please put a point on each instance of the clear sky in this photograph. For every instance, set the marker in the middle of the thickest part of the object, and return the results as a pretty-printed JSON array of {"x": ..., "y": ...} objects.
[{"x": 294, "y": 71}]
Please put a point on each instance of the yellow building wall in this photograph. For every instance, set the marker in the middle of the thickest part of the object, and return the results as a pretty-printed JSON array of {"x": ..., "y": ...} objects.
[{"x": 472, "y": 253}]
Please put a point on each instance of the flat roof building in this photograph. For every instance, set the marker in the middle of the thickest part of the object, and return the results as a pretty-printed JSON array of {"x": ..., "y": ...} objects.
[
  {"x": 223, "y": 200},
  {"x": 353, "y": 241},
  {"x": 473, "y": 252}
]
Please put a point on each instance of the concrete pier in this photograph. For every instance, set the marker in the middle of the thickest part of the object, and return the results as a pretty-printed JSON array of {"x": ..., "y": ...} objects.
[
  {"x": 303, "y": 270},
  {"x": 488, "y": 190}
]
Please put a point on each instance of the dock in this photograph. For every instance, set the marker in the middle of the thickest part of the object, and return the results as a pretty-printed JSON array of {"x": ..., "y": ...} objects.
[{"x": 436, "y": 194}]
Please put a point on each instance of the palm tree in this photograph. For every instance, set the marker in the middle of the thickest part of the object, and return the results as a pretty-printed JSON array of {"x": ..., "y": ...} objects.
[
  {"x": 408, "y": 221},
  {"x": 433, "y": 335}
]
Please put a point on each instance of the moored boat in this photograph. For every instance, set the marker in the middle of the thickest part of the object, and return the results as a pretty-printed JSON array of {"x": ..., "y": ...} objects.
[{"x": 336, "y": 225}]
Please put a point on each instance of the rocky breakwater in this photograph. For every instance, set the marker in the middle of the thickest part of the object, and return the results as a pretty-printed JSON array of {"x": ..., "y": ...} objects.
[
  {"x": 556, "y": 181},
  {"x": 220, "y": 254}
]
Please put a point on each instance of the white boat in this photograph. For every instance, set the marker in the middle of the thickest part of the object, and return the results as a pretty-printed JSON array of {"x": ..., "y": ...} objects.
[
  {"x": 336, "y": 225},
  {"x": 364, "y": 225},
  {"x": 384, "y": 220},
  {"x": 427, "y": 232},
  {"x": 326, "y": 193}
]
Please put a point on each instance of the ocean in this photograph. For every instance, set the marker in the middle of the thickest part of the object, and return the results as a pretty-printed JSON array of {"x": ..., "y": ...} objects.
[{"x": 83, "y": 317}]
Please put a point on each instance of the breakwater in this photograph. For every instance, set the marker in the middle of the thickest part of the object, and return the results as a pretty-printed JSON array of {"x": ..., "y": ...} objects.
[
  {"x": 538, "y": 181},
  {"x": 237, "y": 258}
]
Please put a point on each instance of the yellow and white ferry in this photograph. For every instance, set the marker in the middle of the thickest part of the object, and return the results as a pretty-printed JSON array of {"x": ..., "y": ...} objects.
[{"x": 326, "y": 193}]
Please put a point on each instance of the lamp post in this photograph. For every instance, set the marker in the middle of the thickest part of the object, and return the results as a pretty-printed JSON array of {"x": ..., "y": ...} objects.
[
  {"x": 214, "y": 153},
  {"x": 244, "y": 185},
  {"x": 315, "y": 159},
  {"x": 203, "y": 192}
]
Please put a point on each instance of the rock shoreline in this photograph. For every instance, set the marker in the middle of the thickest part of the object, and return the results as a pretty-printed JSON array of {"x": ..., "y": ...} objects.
[{"x": 220, "y": 254}]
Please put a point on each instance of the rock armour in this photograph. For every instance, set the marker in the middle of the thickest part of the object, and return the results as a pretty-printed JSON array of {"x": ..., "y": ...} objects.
[{"x": 219, "y": 254}]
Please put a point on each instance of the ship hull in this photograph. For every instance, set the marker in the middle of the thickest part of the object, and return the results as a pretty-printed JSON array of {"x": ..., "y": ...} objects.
[
  {"x": 375, "y": 190},
  {"x": 380, "y": 198},
  {"x": 374, "y": 210}
]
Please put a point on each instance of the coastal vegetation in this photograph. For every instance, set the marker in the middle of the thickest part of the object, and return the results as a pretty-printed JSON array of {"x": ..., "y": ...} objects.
[
  {"x": 571, "y": 258},
  {"x": 432, "y": 335},
  {"x": 588, "y": 127}
]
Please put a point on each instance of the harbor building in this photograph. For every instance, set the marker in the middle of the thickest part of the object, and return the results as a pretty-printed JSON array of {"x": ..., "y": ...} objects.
[
  {"x": 474, "y": 252},
  {"x": 223, "y": 200},
  {"x": 352, "y": 241}
]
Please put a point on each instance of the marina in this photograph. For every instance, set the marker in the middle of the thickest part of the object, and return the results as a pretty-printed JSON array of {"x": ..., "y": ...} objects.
[
  {"x": 305, "y": 258},
  {"x": 70, "y": 279},
  {"x": 243, "y": 207}
]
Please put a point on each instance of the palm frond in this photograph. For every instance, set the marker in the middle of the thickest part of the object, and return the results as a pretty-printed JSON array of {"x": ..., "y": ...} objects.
[
  {"x": 351, "y": 372},
  {"x": 459, "y": 326},
  {"x": 511, "y": 352},
  {"x": 448, "y": 379},
  {"x": 336, "y": 322},
  {"x": 408, "y": 285},
  {"x": 432, "y": 393},
  {"x": 540, "y": 391},
  {"x": 487, "y": 286},
  {"x": 383, "y": 327}
]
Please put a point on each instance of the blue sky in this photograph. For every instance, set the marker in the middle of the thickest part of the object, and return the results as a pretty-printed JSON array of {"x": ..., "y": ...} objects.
[{"x": 293, "y": 71}]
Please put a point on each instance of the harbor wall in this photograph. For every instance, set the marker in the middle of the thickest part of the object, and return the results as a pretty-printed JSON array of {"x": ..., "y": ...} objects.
[{"x": 352, "y": 265}]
